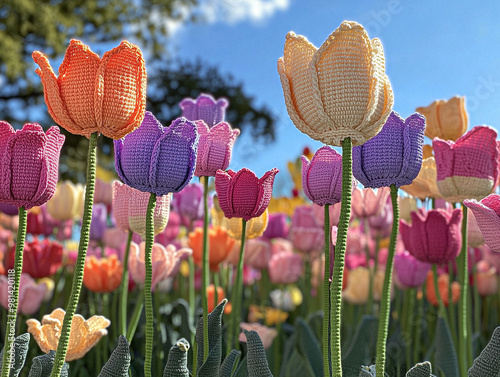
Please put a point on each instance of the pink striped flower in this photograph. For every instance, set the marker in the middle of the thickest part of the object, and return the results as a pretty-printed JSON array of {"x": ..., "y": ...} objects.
[
  {"x": 487, "y": 213},
  {"x": 29, "y": 162},
  {"x": 214, "y": 148},
  {"x": 467, "y": 168}
]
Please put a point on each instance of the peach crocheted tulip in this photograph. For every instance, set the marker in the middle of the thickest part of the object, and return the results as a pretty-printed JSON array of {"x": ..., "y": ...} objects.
[
  {"x": 487, "y": 214},
  {"x": 445, "y": 119},
  {"x": 486, "y": 278},
  {"x": 407, "y": 205},
  {"x": 425, "y": 185},
  {"x": 91, "y": 94},
  {"x": 339, "y": 90},
  {"x": 474, "y": 236},
  {"x": 266, "y": 334},
  {"x": 83, "y": 336},
  {"x": 102, "y": 275}
]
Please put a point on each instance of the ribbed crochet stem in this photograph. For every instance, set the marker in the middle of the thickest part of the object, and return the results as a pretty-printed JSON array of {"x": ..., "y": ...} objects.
[
  {"x": 13, "y": 298},
  {"x": 205, "y": 269},
  {"x": 238, "y": 288},
  {"x": 148, "y": 298},
  {"x": 326, "y": 297},
  {"x": 74, "y": 297},
  {"x": 385, "y": 302},
  {"x": 339, "y": 258},
  {"x": 464, "y": 281},
  {"x": 124, "y": 287}
]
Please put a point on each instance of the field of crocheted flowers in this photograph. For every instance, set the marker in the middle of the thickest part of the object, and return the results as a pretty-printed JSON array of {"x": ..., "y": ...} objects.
[{"x": 384, "y": 259}]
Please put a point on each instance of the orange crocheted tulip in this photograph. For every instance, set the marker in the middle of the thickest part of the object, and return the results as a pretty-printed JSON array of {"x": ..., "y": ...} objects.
[
  {"x": 220, "y": 296},
  {"x": 102, "y": 275},
  {"x": 443, "y": 284},
  {"x": 220, "y": 245},
  {"x": 90, "y": 95}
]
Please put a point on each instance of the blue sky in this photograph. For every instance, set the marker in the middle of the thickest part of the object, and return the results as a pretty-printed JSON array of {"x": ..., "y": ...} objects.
[{"x": 433, "y": 49}]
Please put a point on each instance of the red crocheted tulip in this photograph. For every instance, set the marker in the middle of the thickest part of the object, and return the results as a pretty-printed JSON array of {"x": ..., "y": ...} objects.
[
  {"x": 29, "y": 161},
  {"x": 242, "y": 194},
  {"x": 433, "y": 237}
]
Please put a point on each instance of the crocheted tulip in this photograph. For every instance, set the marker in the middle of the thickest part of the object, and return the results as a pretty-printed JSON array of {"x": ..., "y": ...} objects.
[
  {"x": 91, "y": 94},
  {"x": 99, "y": 221},
  {"x": 204, "y": 108},
  {"x": 407, "y": 205},
  {"x": 487, "y": 214},
  {"x": 266, "y": 334},
  {"x": 285, "y": 268},
  {"x": 474, "y": 236},
  {"x": 102, "y": 275},
  {"x": 339, "y": 90},
  {"x": 8, "y": 209},
  {"x": 410, "y": 272},
  {"x": 29, "y": 163},
  {"x": 155, "y": 158},
  {"x": 366, "y": 202},
  {"x": 486, "y": 279},
  {"x": 103, "y": 192},
  {"x": 322, "y": 176},
  {"x": 433, "y": 236},
  {"x": 189, "y": 203},
  {"x": 277, "y": 226},
  {"x": 214, "y": 148},
  {"x": 425, "y": 184},
  {"x": 241, "y": 194},
  {"x": 257, "y": 253},
  {"x": 394, "y": 156},
  {"x": 357, "y": 288},
  {"x": 445, "y": 119},
  {"x": 31, "y": 294},
  {"x": 444, "y": 288},
  {"x": 254, "y": 228},
  {"x": 219, "y": 242},
  {"x": 306, "y": 231},
  {"x": 467, "y": 168},
  {"x": 67, "y": 202},
  {"x": 130, "y": 206}
]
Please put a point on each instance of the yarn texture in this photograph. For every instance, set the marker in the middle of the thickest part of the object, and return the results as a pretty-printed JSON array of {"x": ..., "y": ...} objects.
[
  {"x": 204, "y": 108},
  {"x": 487, "y": 214}
]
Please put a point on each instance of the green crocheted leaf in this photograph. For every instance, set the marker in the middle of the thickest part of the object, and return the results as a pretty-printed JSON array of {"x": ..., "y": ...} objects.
[
  {"x": 20, "y": 345},
  {"x": 228, "y": 367},
  {"x": 421, "y": 370},
  {"x": 42, "y": 366},
  {"x": 290, "y": 346},
  {"x": 309, "y": 347},
  {"x": 211, "y": 366},
  {"x": 315, "y": 322},
  {"x": 256, "y": 357},
  {"x": 487, "y": 364},
  {"x": 359, "y": 350},
  {"x": 177, "y": 360},
  {"x": 241, "y": 369},
  {"x": 445, "y": 357},
  {"x": 297, "y": 366},
  {"x": 119, "y": 361}
]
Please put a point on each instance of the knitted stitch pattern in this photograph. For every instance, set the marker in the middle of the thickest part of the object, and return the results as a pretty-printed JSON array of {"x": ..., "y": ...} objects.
[
  {"x": 90, "y": 95},
  {"x": 394, "y": 156},
  {"x": 158, "y": 159},
  {"x": 102, "y": 275},
  {"x": 467, "y": 168},
  {"x": 410, "y": 272},
  {"x": 241, "y": 194},
  {"x": 425, "y": 184},
  {"x": 214, "y": 148},
  {"x": 339, "y": 90},
  {"x": 433, "y": 237},
  {"x": 445, "y": 119},
  {"x": 204, "y": 108},
  {"x": 29, "y": 164},
  {"x": 487, "y": 213}
]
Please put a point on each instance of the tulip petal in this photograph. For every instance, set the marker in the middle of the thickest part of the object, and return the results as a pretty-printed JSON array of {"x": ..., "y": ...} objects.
[
  {"x": 265, "y": 192},
  {"x": 245, "y": 198},
  {"x": 413, "y": 139},
  {"x": 445, "y": 158},
  {"x": 487, "y": 219},
  {"x": 223, "y": 186},
  {"x": 305, "y": 171},
  {"x": 121, "y": 91}
]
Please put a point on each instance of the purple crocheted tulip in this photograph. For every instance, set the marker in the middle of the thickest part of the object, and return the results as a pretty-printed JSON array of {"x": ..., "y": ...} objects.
[
  {"x": 204, "y": 108},
  {"x": 410, "y": 271},
  {"x": 98, "y": 224},
  {"x": 158, "y": 159},
  {"x": 8, "y": 209},
  {"x": 29, "y": 162},
  {"x": 214, "y": 148},
  {"x": 189, "y": 203},
  {"x": 394, "y": 156},
  {"x": 277, "y": 226}
]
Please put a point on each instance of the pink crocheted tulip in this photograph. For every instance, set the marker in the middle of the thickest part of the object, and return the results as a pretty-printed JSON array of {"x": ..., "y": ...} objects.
[
  {"x": 487, "y": 213},
  {"x": 285, "y": 268},
  {"x": 367, "y": 202},
  {"x": 486, "y": 279},
  {"x": 434, "y": 236},
  {"x": 29, "y": 162},
  {"x": 31, "y": 294},
  {"x": 467, "y": 168},
  {"x": 241, "y": 194},
  {"x": 214, "y": 148},
  {"x": 410, "y": 272},
  {"x": 474, "y": 236}
]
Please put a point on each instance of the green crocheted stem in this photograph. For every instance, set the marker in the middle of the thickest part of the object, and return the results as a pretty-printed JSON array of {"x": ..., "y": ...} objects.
[
  {"x": 326, "y": 296},
  {"x": 238, "y": 288},
  {"x": 205, "y": 269},
  {"x": 148, "y": 298},
  {"x": 464, "y": 282},
  {"x": 124, "y": 287},
  {"x": 339, "y": 259},
  {"x": 385, "y": 302},
  {"x": 13, "y": 298},
  {"x": 74, "y": 297}
]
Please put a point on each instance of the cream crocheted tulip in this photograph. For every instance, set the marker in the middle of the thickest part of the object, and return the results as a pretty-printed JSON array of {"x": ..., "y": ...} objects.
[
  {"x": 67, "y": 202},
  {"x": 339, "y": 90}
]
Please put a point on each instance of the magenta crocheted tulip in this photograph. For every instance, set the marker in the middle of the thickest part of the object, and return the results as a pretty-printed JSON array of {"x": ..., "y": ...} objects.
[
  {"x": 467, "y": 168},
  {"x": 241, "y": 194},
  {"x": 29, "y": 164},
  {"x": 433, "y": 236},
  {"x": 410, "y": 271},
  {"x": 204, "y": 108},
  {"x": 214, "y": 148},
  {"x": 487, "y": 213}
]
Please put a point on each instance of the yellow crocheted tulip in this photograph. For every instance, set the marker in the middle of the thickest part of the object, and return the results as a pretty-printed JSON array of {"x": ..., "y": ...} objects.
[
  {"x": 285, "y": 204},
  {"x": 67, "y": 202},
  {"x": 445, "y": 119},
  {"x": 83, "y": 336},
  {"x": 407, "y": 205},
  {"x": 254, "y": 228},
  {"x": 339, "y": 90},
  {"x": 427, "y": 151},
  {"x": 425, "y": 185}
]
